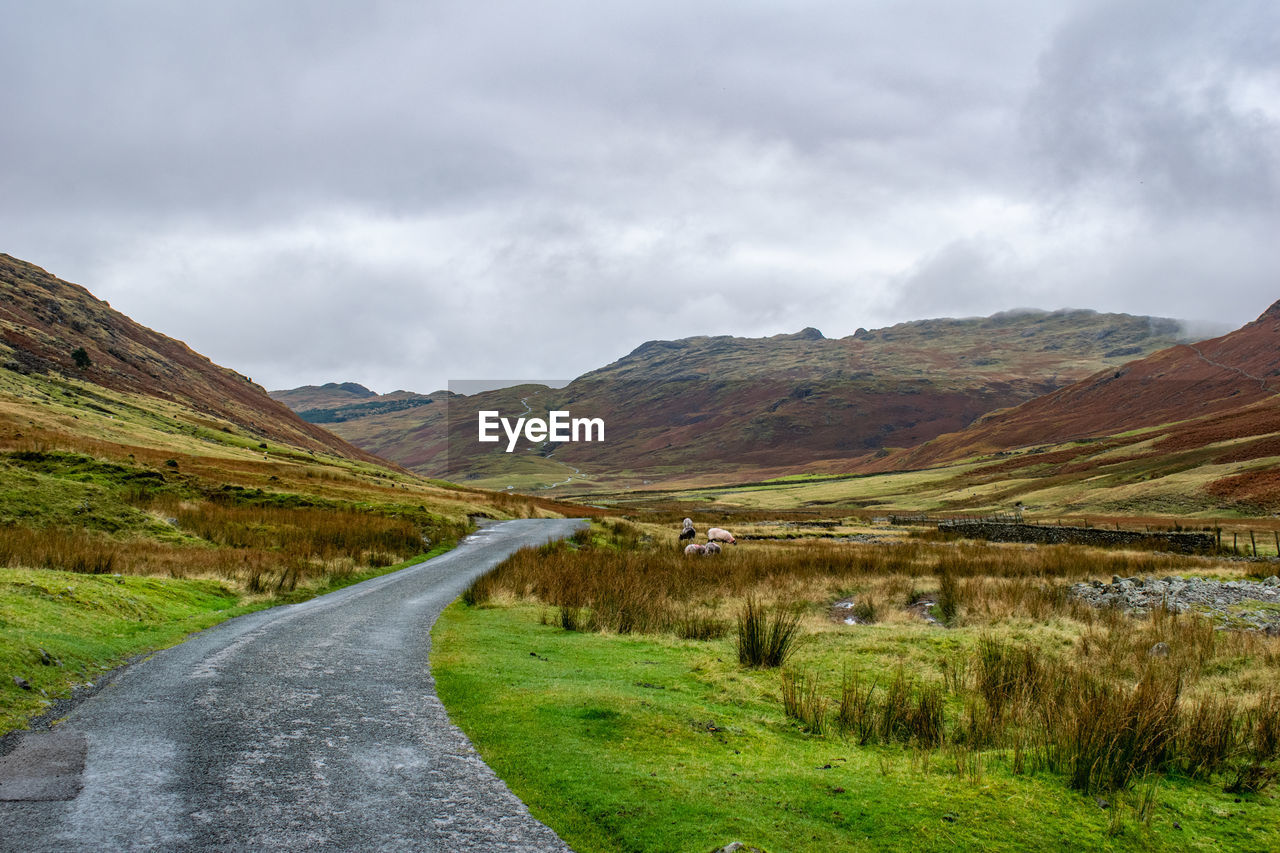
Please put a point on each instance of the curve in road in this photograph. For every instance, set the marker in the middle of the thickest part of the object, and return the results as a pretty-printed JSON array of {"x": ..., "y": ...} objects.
[{"x": 313, "y": 726}]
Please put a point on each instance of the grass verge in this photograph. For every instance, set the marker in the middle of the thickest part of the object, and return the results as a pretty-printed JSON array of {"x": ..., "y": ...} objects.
[
  {"x": 649, "y": 742},
  {"x": 61, "y": 629}
]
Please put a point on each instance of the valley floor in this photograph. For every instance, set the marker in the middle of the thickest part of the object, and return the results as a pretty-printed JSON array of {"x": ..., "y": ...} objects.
[{"x": 621, "y": 735}]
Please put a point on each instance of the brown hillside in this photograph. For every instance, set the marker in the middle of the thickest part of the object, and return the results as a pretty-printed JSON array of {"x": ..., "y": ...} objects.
[
  {"x": 1217, "y": 390},
  {"x": 709, "y": 406},
  {"x": 43, "y": 320},
  {"x": 331, "y": 394}
]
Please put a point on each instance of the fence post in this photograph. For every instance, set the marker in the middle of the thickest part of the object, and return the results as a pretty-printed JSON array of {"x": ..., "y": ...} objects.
[{"x": 1254, "y": 543}]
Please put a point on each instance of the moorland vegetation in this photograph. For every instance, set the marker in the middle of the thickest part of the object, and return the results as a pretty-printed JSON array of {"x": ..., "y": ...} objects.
[{"x": 947, "y": 676}]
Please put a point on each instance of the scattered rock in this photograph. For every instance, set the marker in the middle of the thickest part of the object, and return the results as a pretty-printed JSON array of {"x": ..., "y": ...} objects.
[
  {"x": 22, "y": 682},
  {"x": 737, "y": 847},
  {"x": 45, "y": 658},
  {"x": 1159, "y": 650},
  {"x": 1221, "y": 600},
  {"x": 951, "y": 817},
  {"x": 1102, "y": 804}
]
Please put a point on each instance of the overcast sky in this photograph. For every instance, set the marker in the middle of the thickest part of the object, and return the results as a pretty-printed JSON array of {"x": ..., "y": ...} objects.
[{"x": 404, "y": 193}]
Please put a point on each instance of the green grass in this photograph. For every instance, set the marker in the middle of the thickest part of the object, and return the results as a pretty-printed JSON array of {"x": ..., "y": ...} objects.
[
  {"x": 656, "y": 744},
  {"x": 91, "y": 623},
  {"x": 94, "y": 623}
]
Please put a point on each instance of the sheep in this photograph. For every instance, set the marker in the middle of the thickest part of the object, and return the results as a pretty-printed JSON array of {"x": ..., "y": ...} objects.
[
  {"x": 718, "y": 534},
  {"x": 688, "y": 522},
  {"x": 711, "y": 549},
  {"x": 694, "y": 548},
  {"x": 688, "y": 533}
]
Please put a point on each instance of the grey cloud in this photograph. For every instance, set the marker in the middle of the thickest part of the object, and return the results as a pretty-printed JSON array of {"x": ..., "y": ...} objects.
[
  {"x": 401, "y": 193},
  {"x": 1174, "y": 105}
]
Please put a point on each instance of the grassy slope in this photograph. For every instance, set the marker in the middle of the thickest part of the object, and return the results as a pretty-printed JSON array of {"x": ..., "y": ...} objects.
[
  {"x": 1051, "y": 481},
  {"x": 91, "y": 623},
  {"x": 656, "y": 744},
  {"x": 88, "y": 471}
]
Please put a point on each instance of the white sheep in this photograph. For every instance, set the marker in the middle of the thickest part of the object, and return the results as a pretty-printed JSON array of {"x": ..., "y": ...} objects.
[
  {"x": 694, "y": 548},
  {"x": 719, "y": 534}
]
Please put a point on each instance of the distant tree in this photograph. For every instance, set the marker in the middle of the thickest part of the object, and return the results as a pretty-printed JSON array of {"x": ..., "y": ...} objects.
[{"x": 81, "y": 358}]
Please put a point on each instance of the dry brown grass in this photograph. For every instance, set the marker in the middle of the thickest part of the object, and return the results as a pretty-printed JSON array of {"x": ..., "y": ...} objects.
[{"x": 260, "y": 549}]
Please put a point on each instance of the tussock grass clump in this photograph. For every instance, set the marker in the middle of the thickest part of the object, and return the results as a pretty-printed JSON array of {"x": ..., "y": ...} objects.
[
  {"x": 902, "y": 711},
  {"x": 802, "y": 701},
  {"x": 856, "y": 714},
  {"x": 948, "y": 597},
  {"x": 911, "y": 713},
  {"x": 693, "y": 625},
  {"x": 478, "y": 592},
  {"x": 865, "y": 611},
  {"x": 570, "y": 618},
  {"x": 1105, "y": 736},
  {"x": 1209, "y": 737},
  {"x": 1007, "y": 676},
  {"x": 1263, "y": 723},
  {"x": 767, "y": 639},
  {"x": 1084, "y": 722}
]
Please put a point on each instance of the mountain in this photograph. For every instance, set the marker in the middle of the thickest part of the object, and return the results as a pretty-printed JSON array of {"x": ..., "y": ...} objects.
[
  {"x": 724, "y": 406},
  {"x": 45, "y": 322},
  {"x": 335, "y": 403},
  {"x": 1217, "y": 381},
  {"x": 328, "y": 396},
  {"x": 1194, "y": 422},
  {"x": 117, "y": 432}
]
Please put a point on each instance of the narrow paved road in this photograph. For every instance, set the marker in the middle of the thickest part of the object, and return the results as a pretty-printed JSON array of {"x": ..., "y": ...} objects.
[{"x": 314, "y": 726}]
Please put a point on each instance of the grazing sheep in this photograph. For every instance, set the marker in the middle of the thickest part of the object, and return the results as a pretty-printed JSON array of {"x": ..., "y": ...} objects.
[
  {"x": 711, "y": 548},
  {"x": 718, "y": 534},
  {"x": 688, "y": 522},
  {"x": 694, "y": 548},
  {"x": 688, "y": 533}
]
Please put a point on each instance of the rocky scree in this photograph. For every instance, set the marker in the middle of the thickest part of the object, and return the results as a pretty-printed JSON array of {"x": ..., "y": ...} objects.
[{"x": 1251, "y": 605}]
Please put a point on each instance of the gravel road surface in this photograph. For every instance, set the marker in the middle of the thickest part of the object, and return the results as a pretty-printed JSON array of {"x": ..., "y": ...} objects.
[{"x": 314, "y": 726}]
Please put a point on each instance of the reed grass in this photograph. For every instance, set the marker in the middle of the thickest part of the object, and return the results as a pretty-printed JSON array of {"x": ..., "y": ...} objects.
[
  {"x": 766, "y": 639},
  {"x": 263, "y": 549}
]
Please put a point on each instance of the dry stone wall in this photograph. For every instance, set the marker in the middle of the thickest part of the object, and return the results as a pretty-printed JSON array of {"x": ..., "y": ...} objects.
[{"x": 1182, "y": 543}]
